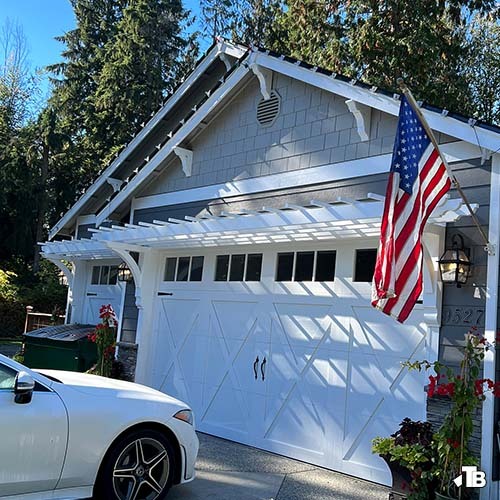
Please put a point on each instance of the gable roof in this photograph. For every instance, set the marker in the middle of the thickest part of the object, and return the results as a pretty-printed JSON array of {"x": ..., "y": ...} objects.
[
  {"x": 218, "y": 49},
  {"x": 478, "y": 133}
]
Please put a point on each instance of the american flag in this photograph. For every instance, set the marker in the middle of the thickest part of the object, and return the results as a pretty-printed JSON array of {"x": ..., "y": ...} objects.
[{"x": 418, "y": 179}]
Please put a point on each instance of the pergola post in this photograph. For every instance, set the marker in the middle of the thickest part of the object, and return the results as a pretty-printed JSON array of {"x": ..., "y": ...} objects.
[{"x": 150, "y": 271}]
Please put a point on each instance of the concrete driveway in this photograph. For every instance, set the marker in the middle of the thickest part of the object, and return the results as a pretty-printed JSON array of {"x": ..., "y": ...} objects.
[{"x": 230, "y": 471}]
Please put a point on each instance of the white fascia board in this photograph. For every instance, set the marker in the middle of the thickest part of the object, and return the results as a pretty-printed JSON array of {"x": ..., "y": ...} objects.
[
  {"x": 453, "y": 151},
  {"x": 487, "y": 138},
  {"x": 221, "y": 47},
  {"x": 209, "y": 105}
]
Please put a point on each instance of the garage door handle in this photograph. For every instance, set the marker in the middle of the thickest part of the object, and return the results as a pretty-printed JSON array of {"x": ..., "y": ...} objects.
[
  {"x": 255, "y": 365},
  {"x": 262, "y": 366}
]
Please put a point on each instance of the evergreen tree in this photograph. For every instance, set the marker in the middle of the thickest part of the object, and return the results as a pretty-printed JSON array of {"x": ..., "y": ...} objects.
[
  {"x": 218, "y": 18},
  {"x": 481, "y": 67},
  {"x": 75, "y": 80},
  {"x": 141, "y": 63},
  {"x": 255, "y": 22},
  {"x": 420, "y": 41},
  {"x": 311, "y": 30},
  {"x": 378, "y": 41}
]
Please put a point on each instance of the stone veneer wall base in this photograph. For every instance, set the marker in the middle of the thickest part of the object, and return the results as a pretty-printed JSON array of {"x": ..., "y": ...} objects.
[{"x": 127, "y": 355}]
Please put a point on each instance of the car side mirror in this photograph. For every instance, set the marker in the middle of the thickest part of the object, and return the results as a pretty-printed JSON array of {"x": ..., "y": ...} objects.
[{"x": 23, "y": 388}]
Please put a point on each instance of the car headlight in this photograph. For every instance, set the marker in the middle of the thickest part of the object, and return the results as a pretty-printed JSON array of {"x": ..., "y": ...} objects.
[{"x": 185, "y": 416}]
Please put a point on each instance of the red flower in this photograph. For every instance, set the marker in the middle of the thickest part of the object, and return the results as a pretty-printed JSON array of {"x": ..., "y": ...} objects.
[
  {"x": 432, "y": 385},
  {"x": 496, "y": 389},
  {"x": 453, "y": 442},
  {"x": 446, "y": 389},
  {"x": 479, "y": 387}
]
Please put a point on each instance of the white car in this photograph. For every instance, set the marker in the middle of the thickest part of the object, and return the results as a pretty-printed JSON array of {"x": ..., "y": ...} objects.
[{"x": 71, "y": 435}]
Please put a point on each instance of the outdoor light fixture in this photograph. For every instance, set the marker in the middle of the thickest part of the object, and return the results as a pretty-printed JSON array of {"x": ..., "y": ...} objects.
[
  {"x": 63, "y": 280},
  {"x": 124, "y": 273},
  {"x": 455, "y": 263}
]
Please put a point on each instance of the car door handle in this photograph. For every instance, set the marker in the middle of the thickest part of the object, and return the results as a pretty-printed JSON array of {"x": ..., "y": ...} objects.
[
  {"x": 255, "y": 365},
  {"x": 262, "y": 368}
]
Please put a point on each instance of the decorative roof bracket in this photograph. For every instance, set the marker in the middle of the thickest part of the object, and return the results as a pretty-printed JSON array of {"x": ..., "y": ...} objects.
[
  {"x": 362, "y": 114},
  {"x": 68, "y": 273},
  {"x": 186, "y": 157},
  {"x": 116, "y": 184},
  {"x": 265, "y": 80},
  {"x": 485, "y": 155},
  {"x": 225, "y": 59}
]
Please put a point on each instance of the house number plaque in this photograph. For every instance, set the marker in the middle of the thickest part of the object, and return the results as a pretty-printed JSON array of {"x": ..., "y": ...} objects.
[{"x": 463, "y": 316}]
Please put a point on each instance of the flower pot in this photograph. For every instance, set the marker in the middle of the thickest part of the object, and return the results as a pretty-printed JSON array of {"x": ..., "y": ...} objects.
[{"x": 401, "y": 479}]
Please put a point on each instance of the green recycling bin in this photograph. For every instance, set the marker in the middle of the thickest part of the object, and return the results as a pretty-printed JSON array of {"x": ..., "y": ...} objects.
[{"x": 60, "y": 347}]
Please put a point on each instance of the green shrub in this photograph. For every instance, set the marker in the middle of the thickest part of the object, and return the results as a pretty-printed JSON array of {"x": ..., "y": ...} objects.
[{"x": 20, "y": 288}]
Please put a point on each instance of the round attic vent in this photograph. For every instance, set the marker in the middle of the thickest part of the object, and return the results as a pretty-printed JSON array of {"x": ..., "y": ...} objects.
[{"x": 268, "y": 109}]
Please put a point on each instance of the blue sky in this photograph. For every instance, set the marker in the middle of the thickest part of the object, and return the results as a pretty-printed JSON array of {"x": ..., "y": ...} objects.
[{"x": 42, "y": 20}]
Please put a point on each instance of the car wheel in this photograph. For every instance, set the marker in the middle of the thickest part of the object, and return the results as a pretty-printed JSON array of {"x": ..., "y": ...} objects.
[{"x": 140, "y": 466}]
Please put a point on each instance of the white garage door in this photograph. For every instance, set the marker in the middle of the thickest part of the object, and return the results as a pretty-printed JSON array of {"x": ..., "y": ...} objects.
[{"x": 305, "y": 369}]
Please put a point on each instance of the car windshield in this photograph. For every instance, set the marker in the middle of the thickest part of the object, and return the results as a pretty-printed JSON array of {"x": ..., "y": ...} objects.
[{"x": 6, "y": 371}]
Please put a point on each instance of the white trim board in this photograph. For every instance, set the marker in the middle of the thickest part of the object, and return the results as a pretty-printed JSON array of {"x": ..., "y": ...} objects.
[
  {"x": 488, "y": 433},
  {"x": 454, "y": 151}
]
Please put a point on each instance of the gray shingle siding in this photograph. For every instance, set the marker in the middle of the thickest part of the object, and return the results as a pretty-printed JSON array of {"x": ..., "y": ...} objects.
[
  {"x": 464, "y": 307},
  {"x": 314, "y": 128},
  {"x": 130, "y": 315},
  {"x": 83, "y": 231},
  {"x": 356, "y": 188}
]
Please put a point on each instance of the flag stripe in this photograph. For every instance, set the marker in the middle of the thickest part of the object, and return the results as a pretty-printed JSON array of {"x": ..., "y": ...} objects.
[{"x": 417, "y": 182}]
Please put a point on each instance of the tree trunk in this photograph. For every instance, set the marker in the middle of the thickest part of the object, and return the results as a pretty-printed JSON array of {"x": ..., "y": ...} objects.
[{"x": 42, "y": 205}]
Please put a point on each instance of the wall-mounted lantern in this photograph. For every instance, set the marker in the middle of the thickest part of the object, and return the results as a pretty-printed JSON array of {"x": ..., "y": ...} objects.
[
  {"x": 124, "y": 273},
  {"x": 63, "y": 280},
  {"x": 455, "y": 264}
]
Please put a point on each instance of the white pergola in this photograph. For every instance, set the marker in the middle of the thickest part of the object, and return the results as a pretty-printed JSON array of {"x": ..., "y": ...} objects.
[{"x": 316, "y": 221}]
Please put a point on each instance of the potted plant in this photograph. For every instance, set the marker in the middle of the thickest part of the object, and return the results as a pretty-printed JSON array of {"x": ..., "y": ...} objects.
[
  {"x": 466, "y": 392},
  {"x": 409, "y": 454}
]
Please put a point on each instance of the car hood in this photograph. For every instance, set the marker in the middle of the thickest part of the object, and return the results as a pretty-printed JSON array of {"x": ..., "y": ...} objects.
[{"x": 102, "y": 386}]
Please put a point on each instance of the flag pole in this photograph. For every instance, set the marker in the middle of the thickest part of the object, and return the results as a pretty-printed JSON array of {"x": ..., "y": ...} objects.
[{"x": 413, "y": 103}]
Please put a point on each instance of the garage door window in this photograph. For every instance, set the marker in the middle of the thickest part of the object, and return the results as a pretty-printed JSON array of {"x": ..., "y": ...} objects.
[
  {"x": 365, "y": 264},
  {"x": 104, "y": 275},
  {"x": 238, "y": 267},
  {"x": 306, "y": 266},
  {"x": 184, "y": 269}
]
